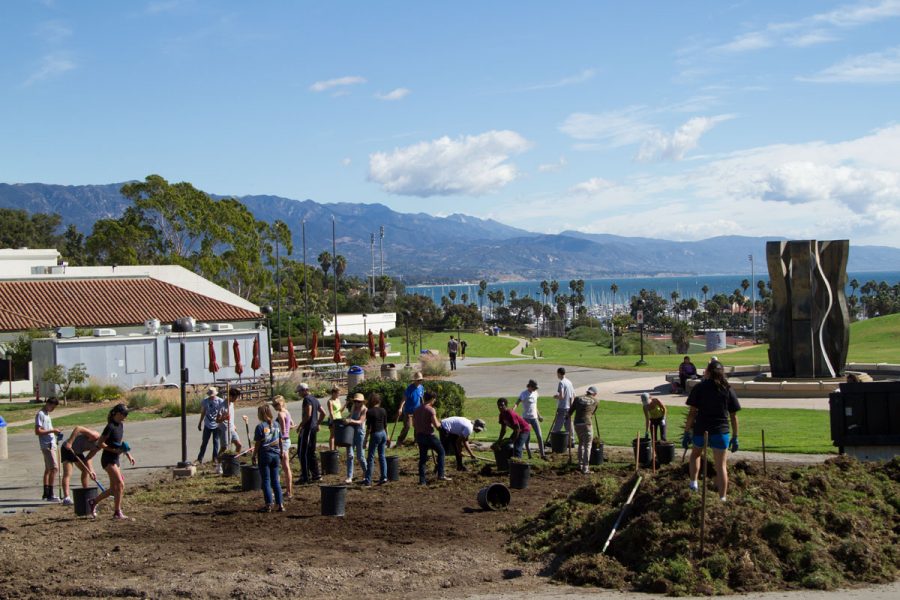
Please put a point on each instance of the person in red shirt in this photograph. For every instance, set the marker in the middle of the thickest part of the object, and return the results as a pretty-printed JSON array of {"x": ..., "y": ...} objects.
[{"x": 521, "y": 430}]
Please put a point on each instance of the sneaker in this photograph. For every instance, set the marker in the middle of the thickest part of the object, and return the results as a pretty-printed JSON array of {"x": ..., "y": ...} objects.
[
  {"x": 265, "y": 509},
  {"x": 444, "y": 478},
  {"x": 281, "y": 508},
  {"x": 348, "y": 480},
  {"x": 120, "y": 516},
  {"x": 382, "y": 481},
  {"x": 218, "y": 469},
  {"x": 52, "y": 498},
  {"x": 92, "y": 507},
  {"x": 722, "y": 499},
  {"x": 693, "y": 486},
  {"x": 367, "y": 483},
  {"x": 67, "y": 501}
]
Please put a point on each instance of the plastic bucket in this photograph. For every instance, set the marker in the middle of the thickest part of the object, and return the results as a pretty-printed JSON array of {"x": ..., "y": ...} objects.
[
  {"x": 501, "y": 456},
  {"x": 596, "y": 454},
  {"x": 331, "y": 464},
  {"x": 559, "y": 441},
  {"x": 665, "y": 452},
  {"x": 80, "y": 497},
  {"x": 231, "y": 466},
  {"x": 393, "y": 468},
  {"x": 389, "y": 371},
  {"x": 644, "y": 458},
  {"x": 250, "y": 479},
  {"x": 494, "y": 497},
  {"x": 343, "y": 433},
  {"x": 519, "y": 474},
  {"x": 334, "y": 500}
]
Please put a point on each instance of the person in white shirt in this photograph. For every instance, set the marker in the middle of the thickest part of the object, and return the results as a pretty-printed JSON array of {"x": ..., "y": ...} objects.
[
  {"x": 455, "y": 433},
  {"x": 528, "y": 399},
  {"x": 47, "y": 436},
  {"x": 565, "y": 394}
]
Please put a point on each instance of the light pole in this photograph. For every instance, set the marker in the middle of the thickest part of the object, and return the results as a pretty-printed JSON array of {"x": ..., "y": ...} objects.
[
  {"x": 640, "y": 315},
  {"x": 182, "y": 326},
  {"x": 365, "y": 328},
  {"x": 753, "y": 298},
  {"x": 421, "y": 322},
  {"x": 267, "y": 310},
  {"x": 406, "y": 319}
]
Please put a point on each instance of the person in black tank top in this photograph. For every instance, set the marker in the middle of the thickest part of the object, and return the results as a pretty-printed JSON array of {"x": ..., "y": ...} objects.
[
  {"x": 376, "y": 430},
  {"x": 113, "y": 445}
]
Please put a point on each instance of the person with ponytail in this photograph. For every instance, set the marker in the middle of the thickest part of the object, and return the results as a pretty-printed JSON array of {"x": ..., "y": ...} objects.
[
  {"x": 713, "y": 404},
  {"x": 267, "y": 454},
  {"x": 112, "y": 444}
]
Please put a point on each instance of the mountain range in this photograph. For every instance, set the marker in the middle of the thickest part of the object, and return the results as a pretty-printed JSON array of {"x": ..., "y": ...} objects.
[{"x": 424, "y": 248}]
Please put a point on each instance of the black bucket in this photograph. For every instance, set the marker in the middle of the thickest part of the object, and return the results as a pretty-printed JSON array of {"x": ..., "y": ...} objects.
[
  {"x": 334, "y": 500},
  {"x": 644, "y": 458},
  {"x": 665, "y": 452},
  {"x": 501, "y": 456},
  {"x": 343, "y": 433},
  {"x": 250, "y": 480},
  {"x": 80, "y": 497},
  {"x": 231, "y": 466},
  {"x": 331, "y": 463},
  {"x": 519, "y": 474},
  {"x": 393, "y": 465},
  {"x": 596, "y": 454},
  {"x": 494, "y": 497},
  {"x": 559, "y": 441}
]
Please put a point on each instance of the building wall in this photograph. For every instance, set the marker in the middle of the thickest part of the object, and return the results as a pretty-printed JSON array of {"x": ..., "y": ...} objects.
[
  {"x": 355, "y": 324},
  {"x": 18, "y": 262}
]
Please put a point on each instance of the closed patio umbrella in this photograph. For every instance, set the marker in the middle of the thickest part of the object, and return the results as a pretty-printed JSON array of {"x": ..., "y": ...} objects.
[
  {"x": 254, "y": 363},
  {"x": 238, "y": 365},
  {"x": 382, "y": 346},
  {"x": 292, "y": 358},
  {"x": 338, "y": 358},
  {"x": 213, "y": 365},
  {"x": 371, "y": 344},
  {"x": 314, "y": 349}
]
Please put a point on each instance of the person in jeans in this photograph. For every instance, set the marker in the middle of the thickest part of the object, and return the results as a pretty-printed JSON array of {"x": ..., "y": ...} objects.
[
  {"x": 425, "y": 421},
  {"x": 529, "y": 399},
  {"x": 565, "y": 394},
  {"x": 357, "y": 420},
  {"x": 335, "y": 412},
  {"x": 412, "y": 399},
  {"x": 521, "y": 430},
  {"x": 376, "y": 429},
  {"x": 452, "y": 350},
  {"x": 47, "y": 437},
  {"x": 210, "y": 410},
  {"x": 686, "y": 370},
  {"x": 654, "y": 417},
  {"x": 455, "y": 433},
  {"x": 313, "y": 413},
  {"x": 584, "y": 408},
  {"x": 285, "y": 424},
  {"x": 267, "y": 454}
]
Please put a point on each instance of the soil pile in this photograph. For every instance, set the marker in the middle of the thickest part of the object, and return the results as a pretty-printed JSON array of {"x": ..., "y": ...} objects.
[{"x": 816, "y": 527}]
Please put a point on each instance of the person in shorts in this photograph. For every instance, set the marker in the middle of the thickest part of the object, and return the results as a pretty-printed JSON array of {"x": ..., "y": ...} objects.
[
  {"x": 583, "y": 409},
  {"x": 227, "y": 426},
  {"x": 655, "y": 413},
  {"x": 285, "y": 424},
  {"x": 455, "y": 433},
  {"x": 47, "y": 437},
  {"x": 112, "y": 442},
  {"x": 72, "y": 453},
  {"x": 713, "y": 404}
]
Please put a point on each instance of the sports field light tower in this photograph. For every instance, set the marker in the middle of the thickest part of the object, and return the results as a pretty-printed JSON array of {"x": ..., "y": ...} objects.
[
  {"x": 183, "y": 326},
  {"x": 267, "y": 310},
  {"x": 640, "y": 320}
]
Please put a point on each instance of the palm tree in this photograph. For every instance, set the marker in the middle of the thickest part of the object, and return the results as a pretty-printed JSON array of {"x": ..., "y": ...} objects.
[
  {"x": 854, "y": 285},
  {"x": 465, "y": 298},
  {"x": 325, "y": 262},
  {"x": 554, "y": 287},
  {"x": 452, "y": 294},
  {"x": 675, "y": 296},
  {"x": 513, "y": 294},
  {"x": 745, "y": 285},
  {"x": 340, "y": 265}
]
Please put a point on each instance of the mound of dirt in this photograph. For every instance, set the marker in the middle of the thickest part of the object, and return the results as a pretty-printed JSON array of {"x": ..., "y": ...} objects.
[{"x": 818, "y": 527}]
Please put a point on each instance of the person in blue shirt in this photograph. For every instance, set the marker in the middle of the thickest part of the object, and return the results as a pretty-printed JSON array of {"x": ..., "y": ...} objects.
[
  {"x": 267, "y": 454},
  {"x": 412, "y": 399},
  {"x": 210, "y": 409}
]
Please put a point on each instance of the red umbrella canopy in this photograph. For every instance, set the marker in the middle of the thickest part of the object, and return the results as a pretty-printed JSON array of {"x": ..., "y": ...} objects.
[
  {"x": 314, "y": 348},
  {"x": 292, "y": 358},
  {"x": 213, "y": 365},
  {"x": 382, "y": 346},
  {"x": 337, "y": 348},
  {"x": 238, "y": 365},
  {"x": 371, "y": 344},
  {"x": 254, "y": 363}
]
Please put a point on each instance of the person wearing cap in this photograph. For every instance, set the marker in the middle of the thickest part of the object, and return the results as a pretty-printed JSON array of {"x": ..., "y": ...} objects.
[
  {"x": 713, "y": 404},
  {"x": 521, "y": 430},
  {"x": 425, "y": 421},
  {"x": 227, "y": 426},
  {"x": 529, "y": 401},
  {"x": 335, "y": 410},
  {"x": 114, "y": 446},
  {"x": 357, "y": 420},
  {"x": 583, "y": 409},
  {"x": 48, "y": 439},
  {"x": 313, "y": 413},
  {"x": 210, "y": 410},
  {"x": 72, "y": 454},
  {"x": 376, "y": 429},
  {"x": 412, "y": 399},
  {"x": 455, "y": 433},
  {"x": 655, "y": 413},
  {"x": 686, "y": 370},
  {"x": 565, "y": 395}
]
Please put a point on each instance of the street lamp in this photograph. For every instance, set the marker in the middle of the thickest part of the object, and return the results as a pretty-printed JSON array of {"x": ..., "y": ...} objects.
[
  {"x": 183, "y": 326},
  {"x": 640, "y": 316},
  {"x": 267, "y": 310},
  {"x": 753, "y": 298},
  {"x": 406, "y": 316}
]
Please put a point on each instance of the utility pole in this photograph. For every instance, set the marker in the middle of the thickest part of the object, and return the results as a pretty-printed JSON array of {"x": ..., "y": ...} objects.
[
  {"x": 305, "y": 289},
  {"x": 278, "y": 286},
  {"x": 753, "y": 298},
  {"x": 372, "y": 245},
  {"x": 382, "y": 249}
]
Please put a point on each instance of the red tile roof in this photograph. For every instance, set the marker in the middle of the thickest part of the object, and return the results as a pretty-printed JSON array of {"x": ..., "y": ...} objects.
[{"x": 45, "y": 303}]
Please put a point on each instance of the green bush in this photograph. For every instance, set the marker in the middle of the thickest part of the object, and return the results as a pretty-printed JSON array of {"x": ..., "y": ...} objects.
[
  {"x": 450, "y": 395},
  {"x": 141, "y": 400},
  {"x": 173, "y": 409},
  {"x": 358, "y": 357},
  {"x": 286, "y": 388},
  {"x": 94, "y": 392}
]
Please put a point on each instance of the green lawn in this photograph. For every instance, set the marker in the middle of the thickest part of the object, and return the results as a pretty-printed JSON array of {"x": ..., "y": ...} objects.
[
  {"x": 787, "y": 430},
  {"x": 479, "y": 345}
]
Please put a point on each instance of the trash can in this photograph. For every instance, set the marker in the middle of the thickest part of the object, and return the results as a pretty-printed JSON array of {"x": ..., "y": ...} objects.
[
  {"x": 355, "y": 376},
  {"x": 4, "y": 449},
  {"x": 389, "y": 371}
]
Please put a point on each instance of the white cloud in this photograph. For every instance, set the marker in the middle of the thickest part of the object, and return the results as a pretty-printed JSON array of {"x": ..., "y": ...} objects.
[
  {"x": 592, "y": 186},
  {"x": 552, "y": 167},
  {"x": 856, "y": 188},
  {"x": 876, "y": 67},
  {"x": 52, "y": 65},
  {"x": 582, "y": 77},
  {"x": 659, "y": 146},
  {"x": 615, "y": 128},
  {"x": 811, "y": 38},
  {"x": 396, "y": 94},
  {"x": 755, "y": 40},
  {"x": 53, "y": 32},
  {"x": 322, "y": 86},
  {"x": 469, "y": 165},
  {"x": 346, "y": 161}
]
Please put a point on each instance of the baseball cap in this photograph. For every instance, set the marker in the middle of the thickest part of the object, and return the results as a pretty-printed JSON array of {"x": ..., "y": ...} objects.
[
  {"x": 645, "y": 398},
  {"x": 302, "y": 386},
  {"x": 592, "y": 391}
]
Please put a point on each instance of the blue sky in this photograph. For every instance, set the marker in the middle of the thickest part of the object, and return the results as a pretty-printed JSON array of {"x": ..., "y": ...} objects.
[{"x": 678, "y": 120}]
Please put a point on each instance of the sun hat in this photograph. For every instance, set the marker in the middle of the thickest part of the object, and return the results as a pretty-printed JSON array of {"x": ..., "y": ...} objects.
[
  {"x": 418, "y": 376},
  {"x": 357, "y": 397},
  {"x": 645, "y": 398},
  {"x": 212, "y": 390},
  {"x": 478, "y": 425}
]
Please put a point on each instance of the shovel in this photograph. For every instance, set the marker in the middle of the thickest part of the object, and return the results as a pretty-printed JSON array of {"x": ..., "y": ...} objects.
[{"x": 97, "y": 481}]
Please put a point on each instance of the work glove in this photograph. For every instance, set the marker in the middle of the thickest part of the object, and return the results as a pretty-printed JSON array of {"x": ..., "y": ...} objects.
[
  {"x": 686, "y": 440},
  {"x": 647, "y": 434},
  {"x": 125, "y": 448},
  {"x": 733, "y": 446}
]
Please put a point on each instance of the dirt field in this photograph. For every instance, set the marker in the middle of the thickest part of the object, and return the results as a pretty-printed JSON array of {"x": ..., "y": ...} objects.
[{"x": 204, "y": 538}]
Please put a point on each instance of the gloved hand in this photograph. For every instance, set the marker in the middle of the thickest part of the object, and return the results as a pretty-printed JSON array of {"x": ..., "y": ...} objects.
[
  {"x": 686, "y": 440},
  {"x": 647, "y": 434},
  {"x": 733, "y": 446},
  {"x": 125, "y": 448}
]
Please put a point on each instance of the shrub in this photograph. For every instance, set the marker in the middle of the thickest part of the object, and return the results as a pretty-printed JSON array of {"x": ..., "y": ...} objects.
[
  {"x": 95, "y": 392},
  {"x": 173, "y": 409},
  {"x": 286, "y": 388},
  {"x": 434, "y": 366},
  {"x": 358, "y": 357},
  {"x": 141, "y": 400},
  {"x": 450, "y": 395}
]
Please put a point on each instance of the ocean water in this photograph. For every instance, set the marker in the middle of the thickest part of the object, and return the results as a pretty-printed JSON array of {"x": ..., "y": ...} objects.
[{"x": 597, "y": 291}]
